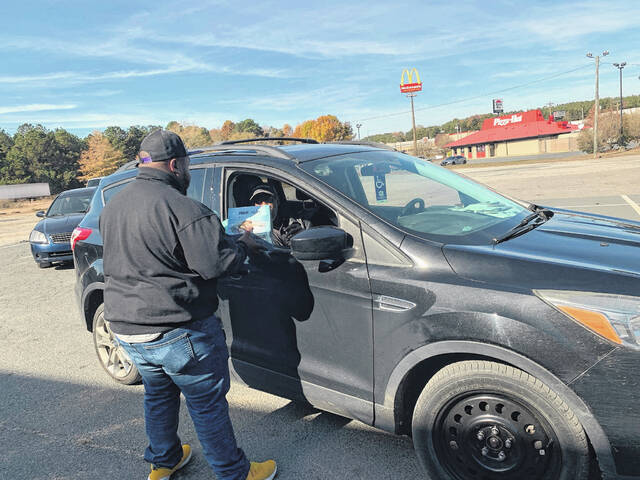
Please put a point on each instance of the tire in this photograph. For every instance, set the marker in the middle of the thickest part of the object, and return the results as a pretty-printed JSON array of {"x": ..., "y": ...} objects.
[
  {"x": 479, "y": 420},
  {"x": 44, "y": 264},
  {"x": 112, "y": 357}
]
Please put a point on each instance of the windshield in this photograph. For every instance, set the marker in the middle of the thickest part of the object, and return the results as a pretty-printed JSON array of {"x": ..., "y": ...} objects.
[
  {"x": 420, "y": 197},
  {"x": 68, "y": 204}
]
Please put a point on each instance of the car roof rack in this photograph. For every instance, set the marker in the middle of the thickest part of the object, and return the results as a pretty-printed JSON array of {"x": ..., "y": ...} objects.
[
  {"x": 268, "y": 139},
  {"x": 368, "y": 144},
  {"x": 263, "y": 149}
]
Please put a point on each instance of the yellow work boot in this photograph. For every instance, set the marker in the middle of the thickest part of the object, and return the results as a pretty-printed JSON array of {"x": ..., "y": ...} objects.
[
  {"x": 263, "y": 470},
  {"x": 162, "y": 473}
]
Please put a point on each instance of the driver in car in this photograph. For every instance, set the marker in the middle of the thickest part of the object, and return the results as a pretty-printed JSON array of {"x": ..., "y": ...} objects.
[{"x": 283, "y": 228}]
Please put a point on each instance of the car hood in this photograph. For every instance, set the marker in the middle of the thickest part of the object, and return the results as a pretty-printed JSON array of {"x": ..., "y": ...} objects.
[
  {"x": 572, "y": 250},
  {"x": 62, "y": 224}
]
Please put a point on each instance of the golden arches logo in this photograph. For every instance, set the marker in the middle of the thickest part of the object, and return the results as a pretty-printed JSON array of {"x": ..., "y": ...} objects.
[
  {"x": 409, "y": 74},
  {"x": 410, "y": 85}
]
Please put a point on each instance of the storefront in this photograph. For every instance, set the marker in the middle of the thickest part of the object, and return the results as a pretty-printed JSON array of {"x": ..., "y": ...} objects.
[{"x": 525, "y": 133}]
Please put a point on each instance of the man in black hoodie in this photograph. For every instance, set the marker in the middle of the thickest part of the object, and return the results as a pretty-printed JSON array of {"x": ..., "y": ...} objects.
[{"x": 163, "y": 254}]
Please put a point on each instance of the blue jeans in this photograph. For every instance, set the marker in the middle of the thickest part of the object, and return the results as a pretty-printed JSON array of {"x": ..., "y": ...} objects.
[{"x": 191, "y": 360}]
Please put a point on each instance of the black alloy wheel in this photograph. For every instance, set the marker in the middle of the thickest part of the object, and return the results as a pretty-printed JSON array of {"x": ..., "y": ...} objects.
[
  {"x": 478, "y": 420},
  {"x": 112, "y": 356}
]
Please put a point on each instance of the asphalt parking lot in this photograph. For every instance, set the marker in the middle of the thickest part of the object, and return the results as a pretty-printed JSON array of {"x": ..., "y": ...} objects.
[{"x": 63, "y": 419}]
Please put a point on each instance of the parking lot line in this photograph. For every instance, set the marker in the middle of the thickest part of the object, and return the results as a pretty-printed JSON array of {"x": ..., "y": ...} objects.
[{"x": 633, "y": 204}]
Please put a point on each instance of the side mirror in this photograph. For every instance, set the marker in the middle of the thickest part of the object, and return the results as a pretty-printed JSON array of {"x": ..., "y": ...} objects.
[
  {"x": 41, "y": 214},
  {"x": 322, "y": 243}
]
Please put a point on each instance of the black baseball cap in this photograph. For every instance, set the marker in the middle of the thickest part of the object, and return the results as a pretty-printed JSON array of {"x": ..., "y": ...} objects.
[
  {"x": 262, "y": 190},
  {"x": 161, "y": 146}
]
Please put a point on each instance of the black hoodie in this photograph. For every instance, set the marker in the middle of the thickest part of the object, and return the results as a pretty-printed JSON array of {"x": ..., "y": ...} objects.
[{"x": 163, "y": 254}]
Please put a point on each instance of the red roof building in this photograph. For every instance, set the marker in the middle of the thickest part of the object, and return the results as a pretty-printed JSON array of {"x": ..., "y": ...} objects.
[{"x": 526, "y": 133}]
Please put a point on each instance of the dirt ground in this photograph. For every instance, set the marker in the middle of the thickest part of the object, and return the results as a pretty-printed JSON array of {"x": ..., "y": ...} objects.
[{"x": 18, "y": 218}]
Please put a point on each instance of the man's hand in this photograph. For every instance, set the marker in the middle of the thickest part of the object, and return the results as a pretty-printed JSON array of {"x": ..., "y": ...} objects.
[{"x": 251, "y": 244}]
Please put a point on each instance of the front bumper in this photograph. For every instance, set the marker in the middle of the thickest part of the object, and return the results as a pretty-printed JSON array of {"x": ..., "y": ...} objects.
[
  {"x": 51, "y": 252},
  {"x": 610, "y": 388}
]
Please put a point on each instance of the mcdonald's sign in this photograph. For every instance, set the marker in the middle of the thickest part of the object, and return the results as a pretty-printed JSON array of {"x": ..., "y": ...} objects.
[{"x": 410, "y": 86}]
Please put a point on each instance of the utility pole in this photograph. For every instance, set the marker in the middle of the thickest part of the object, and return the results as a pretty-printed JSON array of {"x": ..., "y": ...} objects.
[
  {"x": 550, "y": 105},
  {"x": 413, "y": 121},
  {"x": 597, "y": 102},
  {"x": 358, "y": 125},
  {"x": 620, "y": 66}
]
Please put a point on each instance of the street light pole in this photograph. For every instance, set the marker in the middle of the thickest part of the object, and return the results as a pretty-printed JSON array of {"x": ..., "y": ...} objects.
[
  {"x": 597, "y": 102},
  {"x": 620, "y": 66}
]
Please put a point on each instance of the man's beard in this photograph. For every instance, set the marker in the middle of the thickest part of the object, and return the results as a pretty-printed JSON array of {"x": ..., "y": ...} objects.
[{"x": 184, "y": 180}]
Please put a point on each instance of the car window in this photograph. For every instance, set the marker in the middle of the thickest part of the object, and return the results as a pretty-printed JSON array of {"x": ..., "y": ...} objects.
[
  {"x": 195, "y": 190},
  {"x": 196, "y": 187},
  {"x": 109, "y": 192},
  {"x": 391, "y": 189},
  {"x": 68, "y": 204},
  {"x": 420, "y": 197},
  {"x": 294, "y": 205}
]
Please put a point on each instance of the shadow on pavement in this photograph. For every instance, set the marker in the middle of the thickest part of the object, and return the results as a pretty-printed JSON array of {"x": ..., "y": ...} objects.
[{"x": 63, "y": 430}]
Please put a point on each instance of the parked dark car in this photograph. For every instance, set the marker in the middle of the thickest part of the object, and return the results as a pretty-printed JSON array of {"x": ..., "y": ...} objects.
[
  {"x": 455, "y": 160},
  {"x": 503, "y": 336},
  {"x": 50, "y": 239}
]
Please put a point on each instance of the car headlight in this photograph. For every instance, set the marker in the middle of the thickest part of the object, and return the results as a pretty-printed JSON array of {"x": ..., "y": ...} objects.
[
  {"x": 38, "y": 237},
  {"x": 614, "y": 317}
]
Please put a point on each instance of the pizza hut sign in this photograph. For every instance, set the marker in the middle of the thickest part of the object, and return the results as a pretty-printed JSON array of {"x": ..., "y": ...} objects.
[{"x": 501, "y": 122}]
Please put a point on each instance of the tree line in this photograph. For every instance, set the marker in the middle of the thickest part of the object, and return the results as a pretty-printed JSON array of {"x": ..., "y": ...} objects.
[{"x": 36, "y": 154}]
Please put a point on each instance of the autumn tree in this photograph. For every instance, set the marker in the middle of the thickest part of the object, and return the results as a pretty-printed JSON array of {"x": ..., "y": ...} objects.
[
  {"x": 100, "y": 158},
  {"x": 216, "y": 135},
  {"x": 326, "y": 128},
  {"x": 287, "y": 131},
  {"x": 192, "y": 135},
  {"x": 227, "y": 129},
  {"x": 241, "y": 136}
]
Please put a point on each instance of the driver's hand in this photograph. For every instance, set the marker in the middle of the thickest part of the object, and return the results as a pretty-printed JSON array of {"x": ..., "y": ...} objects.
[
  {"x": 247, "y": 226},
  {"x": 293, "y": 230}
]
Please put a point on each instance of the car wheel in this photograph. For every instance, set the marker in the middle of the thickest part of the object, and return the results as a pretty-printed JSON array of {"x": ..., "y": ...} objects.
[
  {"x": 478, "y": 420},
  {"x": 112, "y": 356},
  {"x": 44, "y": 264}
]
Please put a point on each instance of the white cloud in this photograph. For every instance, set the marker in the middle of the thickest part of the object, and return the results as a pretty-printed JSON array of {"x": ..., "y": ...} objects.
[{"x": 35, "y": 107}]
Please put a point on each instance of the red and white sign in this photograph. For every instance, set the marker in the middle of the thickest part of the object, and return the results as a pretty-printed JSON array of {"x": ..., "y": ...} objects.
[
  {"x": 502, "y": 121},
  {"x": 410, "y": 87}
]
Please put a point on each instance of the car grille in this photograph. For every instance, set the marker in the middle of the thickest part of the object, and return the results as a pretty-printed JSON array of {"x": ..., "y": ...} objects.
[
  {"x": 61, "y": 237},
  {"x": 59, "y": 254}
]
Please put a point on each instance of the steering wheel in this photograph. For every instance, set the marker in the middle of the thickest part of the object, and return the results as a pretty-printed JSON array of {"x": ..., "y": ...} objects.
[{"x": 414, "y": 206}]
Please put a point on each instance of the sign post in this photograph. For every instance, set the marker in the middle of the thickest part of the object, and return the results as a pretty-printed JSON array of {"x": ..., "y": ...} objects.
[
  {"x": 497, "y": 105},
  {"x": 410, "y": 88}
]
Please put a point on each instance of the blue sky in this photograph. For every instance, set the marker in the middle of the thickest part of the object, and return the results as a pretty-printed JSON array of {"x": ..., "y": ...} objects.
[{"x": 85, "y": 65}]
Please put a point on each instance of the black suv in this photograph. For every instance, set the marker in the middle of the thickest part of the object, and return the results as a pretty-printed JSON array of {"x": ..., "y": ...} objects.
[{"x": 502, "y": 336}]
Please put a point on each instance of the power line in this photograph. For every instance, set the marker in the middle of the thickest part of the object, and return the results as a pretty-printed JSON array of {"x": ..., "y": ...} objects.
[{"x": 495, "y": 92}]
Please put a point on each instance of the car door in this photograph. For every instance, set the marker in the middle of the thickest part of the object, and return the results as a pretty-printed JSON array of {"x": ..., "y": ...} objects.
[{"x": 302, "y": 329}]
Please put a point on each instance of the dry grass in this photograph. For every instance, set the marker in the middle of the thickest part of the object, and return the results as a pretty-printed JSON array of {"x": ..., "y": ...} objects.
[{"x": 10, "y": 207}]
